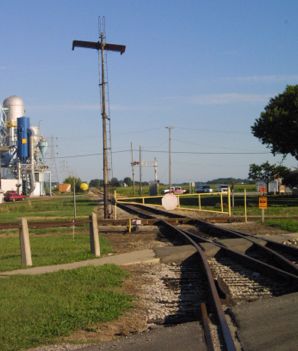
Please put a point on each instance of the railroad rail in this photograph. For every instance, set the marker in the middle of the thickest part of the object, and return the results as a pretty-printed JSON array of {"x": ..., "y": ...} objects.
[
  {"x": 265, "y": 267},
  {"x": 281, "y": 256},
  {"x": 46, "y": 224},
  {"x": 216, "y": 304}
]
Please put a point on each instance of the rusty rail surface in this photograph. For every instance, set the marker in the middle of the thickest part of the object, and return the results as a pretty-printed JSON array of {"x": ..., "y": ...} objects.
[
  {"x": 45, "y": 224},
  {"x": 80, "y": 222}
]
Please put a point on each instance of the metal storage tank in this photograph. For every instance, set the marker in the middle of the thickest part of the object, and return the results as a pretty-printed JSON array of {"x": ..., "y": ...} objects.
[
  {"x": 23, "y": 125},
  {"x": 35, "y": 134},
  {"x": 15, "y": 109},
  {"x": 43, "y": 146}
]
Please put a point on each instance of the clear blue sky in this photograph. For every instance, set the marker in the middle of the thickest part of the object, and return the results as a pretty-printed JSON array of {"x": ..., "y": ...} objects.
[{"x": 207, "y": 68}]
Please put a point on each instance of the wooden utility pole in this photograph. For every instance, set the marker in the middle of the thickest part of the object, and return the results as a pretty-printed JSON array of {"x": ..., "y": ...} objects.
[
  {"x": 132, "y": 169},
  {"x": 170, "y": 155},
  {"x": 155, "y": 166},
  {"x": 102, "y": 46},
  {"x": 140, "y": 169}
]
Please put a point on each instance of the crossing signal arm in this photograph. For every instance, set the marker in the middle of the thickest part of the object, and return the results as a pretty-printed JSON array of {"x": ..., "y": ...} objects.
[{"x": 97, "y": 45}]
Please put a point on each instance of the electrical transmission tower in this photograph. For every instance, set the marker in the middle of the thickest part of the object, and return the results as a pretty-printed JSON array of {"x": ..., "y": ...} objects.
[{"x": 102, "y": 46}]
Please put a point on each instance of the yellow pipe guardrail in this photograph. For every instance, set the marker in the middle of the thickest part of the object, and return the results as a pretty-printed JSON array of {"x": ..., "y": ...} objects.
[{"x": 127, "y": 200}]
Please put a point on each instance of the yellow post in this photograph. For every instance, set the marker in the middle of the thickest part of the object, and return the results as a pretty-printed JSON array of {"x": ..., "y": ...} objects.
[
  {"x": 221, "y": 203},
  {"x": 245, "y": 207},
  {"x": 143, "y": 200},
  {"x": 229, "y": 202},
  {"x": 200, "y": 205}
]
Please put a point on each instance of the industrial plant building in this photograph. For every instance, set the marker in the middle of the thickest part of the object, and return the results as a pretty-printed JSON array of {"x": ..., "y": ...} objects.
[{"x": 22, "y": 151}]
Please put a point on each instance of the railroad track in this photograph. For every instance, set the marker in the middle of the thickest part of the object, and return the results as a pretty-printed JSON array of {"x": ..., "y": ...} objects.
[
  {"x": 268, "y": 251},
  {"x": 266, "y": 269}
]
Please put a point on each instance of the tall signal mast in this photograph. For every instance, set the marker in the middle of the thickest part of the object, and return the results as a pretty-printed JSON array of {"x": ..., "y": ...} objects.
[{"x": 101, "y": 46}]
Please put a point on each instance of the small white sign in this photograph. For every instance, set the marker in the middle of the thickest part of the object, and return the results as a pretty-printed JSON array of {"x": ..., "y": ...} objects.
[{"x": 169, "y": 202}]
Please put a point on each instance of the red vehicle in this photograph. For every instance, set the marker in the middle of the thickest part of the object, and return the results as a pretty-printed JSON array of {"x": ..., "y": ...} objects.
[
  {"x": 175, "y": 190},
  {"x": 13, "y": 196}
]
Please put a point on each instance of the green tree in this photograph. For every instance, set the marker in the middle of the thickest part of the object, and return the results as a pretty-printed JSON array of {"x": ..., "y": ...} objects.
[
  {"x": 277, "y": 126},
  {"x": 291, "y": 179},
  {"x": 73, "y": 181},
  {"x": 127, "y": 181},
  {"x": 95, "y": 183},
  {"x": 266, "y": 172},
  {"x": 114, "y": 182}
]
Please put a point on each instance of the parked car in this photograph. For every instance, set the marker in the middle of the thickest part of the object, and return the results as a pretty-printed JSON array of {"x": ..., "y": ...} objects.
[
  {"x": 204, "y": 188},
  {"x": 175, "y": 190},
  {"x": 223, "y": 188},
  {"x": 13, "y": 196}
]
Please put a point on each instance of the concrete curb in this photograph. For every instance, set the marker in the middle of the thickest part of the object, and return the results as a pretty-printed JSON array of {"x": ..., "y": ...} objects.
[{"x": 136, "y": 257}]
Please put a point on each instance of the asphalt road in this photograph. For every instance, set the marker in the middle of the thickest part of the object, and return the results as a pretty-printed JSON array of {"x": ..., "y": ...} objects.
[
  {"x": 186, "y": 337},
  {"x": 269, "y": 324}
]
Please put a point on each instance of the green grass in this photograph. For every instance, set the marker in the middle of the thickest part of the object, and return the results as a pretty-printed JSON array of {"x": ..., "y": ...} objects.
[
  {"x": 270, "y": 211},
  {"x": 49, "y": 245},
  {"x": 48, "y": 249},
  {"x": 36, "y": 310},
  {"x": 60, "y": 206},
  {"x": 290, "y": 225}
]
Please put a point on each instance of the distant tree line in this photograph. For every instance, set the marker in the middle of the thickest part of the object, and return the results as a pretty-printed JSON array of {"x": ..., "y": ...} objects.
[
  {"x": 114, "y": 182},
  {"x": 229, "y": 180}
]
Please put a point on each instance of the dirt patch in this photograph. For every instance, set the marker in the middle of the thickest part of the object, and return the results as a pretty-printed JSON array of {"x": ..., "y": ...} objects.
[{"x": 122, "y": 243}]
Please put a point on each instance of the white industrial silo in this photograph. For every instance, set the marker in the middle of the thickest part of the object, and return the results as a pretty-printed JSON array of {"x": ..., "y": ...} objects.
[{"x": 14, "y": 108}]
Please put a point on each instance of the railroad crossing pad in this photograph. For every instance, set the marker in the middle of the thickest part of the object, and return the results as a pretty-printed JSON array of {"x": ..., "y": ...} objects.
[
  {"x": 280, "y": 238},
  {"x": 268, "y": 324},
  {"x": 177, "y": 254}
]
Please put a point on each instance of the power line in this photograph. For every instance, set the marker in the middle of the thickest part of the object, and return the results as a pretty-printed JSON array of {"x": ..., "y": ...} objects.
[
  {"x": 214, "y": 130},
  {"x": 208, "y": 152},
  {"x": 163, "y": 152}
]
